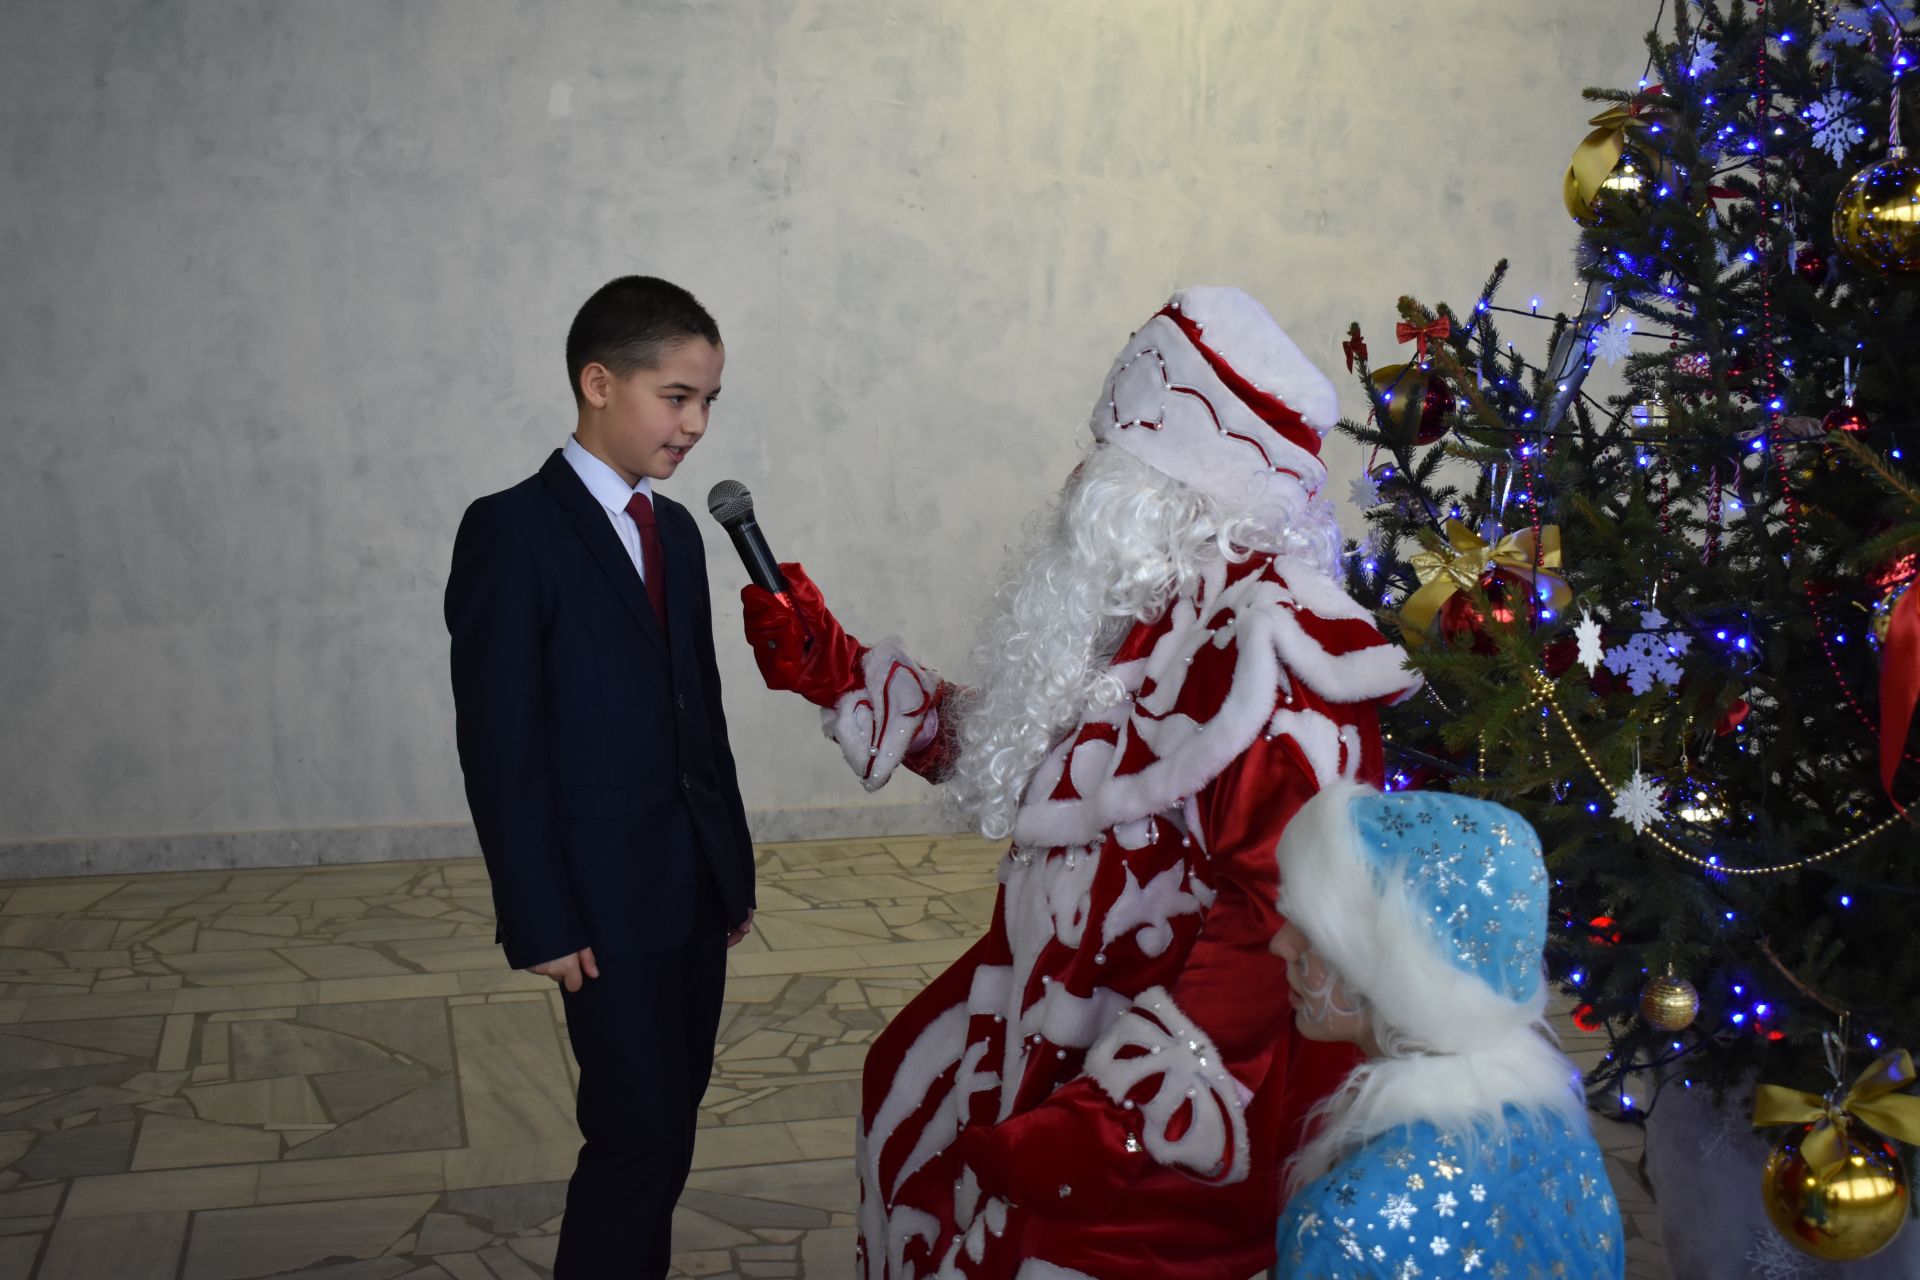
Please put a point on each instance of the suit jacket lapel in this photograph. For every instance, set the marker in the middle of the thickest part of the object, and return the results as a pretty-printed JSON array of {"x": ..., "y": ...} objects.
[
  {"x": 678, "y": 554},
  {"x": 591, "y": 523}
]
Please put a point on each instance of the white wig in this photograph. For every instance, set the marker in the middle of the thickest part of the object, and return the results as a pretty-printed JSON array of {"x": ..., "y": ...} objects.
[{"x": 1121, "y": 541}]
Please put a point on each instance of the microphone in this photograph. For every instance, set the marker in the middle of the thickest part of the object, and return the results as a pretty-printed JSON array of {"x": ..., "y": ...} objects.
[{"x": 731, "y": 504}]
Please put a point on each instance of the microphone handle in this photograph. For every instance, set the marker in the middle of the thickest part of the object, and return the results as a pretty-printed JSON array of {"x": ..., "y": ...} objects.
[{"x": 754, "y": 553}]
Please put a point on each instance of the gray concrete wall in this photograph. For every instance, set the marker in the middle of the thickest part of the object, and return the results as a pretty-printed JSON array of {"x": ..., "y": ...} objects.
[{"x": 283, "y": 286}]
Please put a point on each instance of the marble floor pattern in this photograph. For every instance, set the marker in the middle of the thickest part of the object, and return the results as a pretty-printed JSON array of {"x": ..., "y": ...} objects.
[{"x": 328, "y": 1074}]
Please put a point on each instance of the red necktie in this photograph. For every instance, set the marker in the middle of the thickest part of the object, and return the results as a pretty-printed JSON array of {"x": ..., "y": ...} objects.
[{"x": 652, "y": 561}]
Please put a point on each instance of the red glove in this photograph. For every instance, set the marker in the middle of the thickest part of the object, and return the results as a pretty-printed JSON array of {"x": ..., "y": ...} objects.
[
  {"x": 798, "y": 645},
  {"x": 1067, "y": 1158}
]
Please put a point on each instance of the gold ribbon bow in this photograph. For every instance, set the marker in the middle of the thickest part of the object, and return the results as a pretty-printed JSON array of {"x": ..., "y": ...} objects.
[
  {"x": 1600, "y": 151},
  {"x": 1442, "y": 573},
  {"x": 1873, "y": 1101}
]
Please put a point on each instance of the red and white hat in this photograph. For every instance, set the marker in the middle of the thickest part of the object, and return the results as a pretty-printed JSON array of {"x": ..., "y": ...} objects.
[{"x": 1212, "y": 392}]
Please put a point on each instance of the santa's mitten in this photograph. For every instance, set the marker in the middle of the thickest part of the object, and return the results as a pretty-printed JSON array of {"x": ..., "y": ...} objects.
[
  {"x": 892, "y": 713},
  {"x": 1069, "y": 1157},
  {"x": 797, "y": 643}
]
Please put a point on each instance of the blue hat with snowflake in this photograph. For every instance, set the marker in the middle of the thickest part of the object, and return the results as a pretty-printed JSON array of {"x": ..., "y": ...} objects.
[{"x": 1431, "y": 906}]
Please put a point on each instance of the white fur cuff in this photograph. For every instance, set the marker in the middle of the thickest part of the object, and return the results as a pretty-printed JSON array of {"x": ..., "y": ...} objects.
[
  {"x": 1155, "y": 1038},
  {"x": 878, "y": 723}
]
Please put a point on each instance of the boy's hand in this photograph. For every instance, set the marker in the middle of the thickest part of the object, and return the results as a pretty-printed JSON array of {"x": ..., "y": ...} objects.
[
  {"x": 797, "y": 643},
  {"x": 740, "y": 932},
  {"x": 569, "y": 971}
]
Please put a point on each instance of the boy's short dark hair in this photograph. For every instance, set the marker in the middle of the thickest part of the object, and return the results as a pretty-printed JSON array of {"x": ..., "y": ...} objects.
[{"x": 628, "y": 322}]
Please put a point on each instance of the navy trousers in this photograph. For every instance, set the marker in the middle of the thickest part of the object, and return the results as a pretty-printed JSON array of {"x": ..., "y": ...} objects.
[{"x": 643, "y": 1035}]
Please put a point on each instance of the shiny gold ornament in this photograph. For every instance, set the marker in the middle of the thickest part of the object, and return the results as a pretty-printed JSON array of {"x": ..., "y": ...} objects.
[
  {"x": 1876, "y": 221},
  {"x": 1617, "y": 161},
  {"x": 1852, "y": 1210},
  {"x": 1669, "y": 1003}
]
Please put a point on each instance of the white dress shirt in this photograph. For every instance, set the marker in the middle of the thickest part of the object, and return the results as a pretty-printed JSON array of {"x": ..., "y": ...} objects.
[{"x": 612, "y": 493}]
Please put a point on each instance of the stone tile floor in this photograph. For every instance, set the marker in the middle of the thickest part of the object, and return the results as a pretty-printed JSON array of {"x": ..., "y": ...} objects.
[{"x": 328, "y": 1074}]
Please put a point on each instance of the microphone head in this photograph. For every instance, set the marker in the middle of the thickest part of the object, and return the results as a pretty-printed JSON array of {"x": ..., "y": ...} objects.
[{"x": 729, "y": 502}]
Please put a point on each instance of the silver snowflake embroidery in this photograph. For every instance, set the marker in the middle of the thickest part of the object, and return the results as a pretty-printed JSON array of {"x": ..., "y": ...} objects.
[
  {"x": 1592, "y": 651},
  {"x": 1446, "y": 1204},
  {"x": 1439, "y": 1245},
  {"x": 1774, "y": 1259},
  {"x": 1407, "y": 1270},
  {"x": 1470, "y": 1255},
  {"x": 1399, "y": 1212},
  {"x": 1364, "y": 492},
  {"x": 1613, "y": 343},
  {"x": 1638, "y": 803},
  {"x": 1650, "y": 655},
  {"x": 1706, "y": 59},
  {"x": 1834, "y": 129},
  {"x": 1478, "y": 1192},
  {"x": 1309, "y": 1224}
]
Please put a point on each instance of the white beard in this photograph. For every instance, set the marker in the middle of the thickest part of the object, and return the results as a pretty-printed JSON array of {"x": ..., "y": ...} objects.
[{"x": 1118, "y": 544}]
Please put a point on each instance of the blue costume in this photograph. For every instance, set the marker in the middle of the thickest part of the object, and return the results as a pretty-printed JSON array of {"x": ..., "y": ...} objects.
[
  {"x": 1461, "y": 1148},
  {"x": 1416, "y": 1201}
]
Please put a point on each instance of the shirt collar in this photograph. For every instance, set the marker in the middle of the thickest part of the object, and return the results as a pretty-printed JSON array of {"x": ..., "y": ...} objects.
[{"x": 602, "y": 481}]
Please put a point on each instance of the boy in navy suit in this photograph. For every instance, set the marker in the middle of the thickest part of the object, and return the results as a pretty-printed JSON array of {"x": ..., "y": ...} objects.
[{"x": 597, "y": 767}]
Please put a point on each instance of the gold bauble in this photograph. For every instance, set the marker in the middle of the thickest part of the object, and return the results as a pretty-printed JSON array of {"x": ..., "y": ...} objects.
[
  {"x": 1852, "y": 1211},
  {"x": 1669, "y": 1003},
  {"x": 1631, "y": 180},
  {"x": 1876, "y": 221}
]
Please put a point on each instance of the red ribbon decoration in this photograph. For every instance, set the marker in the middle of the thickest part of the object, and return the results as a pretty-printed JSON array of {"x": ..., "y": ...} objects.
[
  {"x": 1733, "y": 717},
  {"x": 1355, "y": 347},
  {"x": 1899, "y": 683},
  {"x": 1420, "y": 333}
]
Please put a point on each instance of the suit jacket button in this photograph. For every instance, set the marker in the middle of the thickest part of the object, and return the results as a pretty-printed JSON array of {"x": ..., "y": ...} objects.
[
  {"x": 685, "y": 782},
  {"x": 680, "y": 701}
]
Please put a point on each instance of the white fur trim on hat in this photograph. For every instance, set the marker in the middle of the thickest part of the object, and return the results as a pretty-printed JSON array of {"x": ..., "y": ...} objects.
[
  {"x": 1375, "y": 938},
  {"x": 1483, "y": 1052},
  {"x": 1164, "y": 402}
]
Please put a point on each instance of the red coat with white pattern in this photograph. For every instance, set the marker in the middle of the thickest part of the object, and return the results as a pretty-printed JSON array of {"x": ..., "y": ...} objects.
[{"x": 1109, "y": 1083}]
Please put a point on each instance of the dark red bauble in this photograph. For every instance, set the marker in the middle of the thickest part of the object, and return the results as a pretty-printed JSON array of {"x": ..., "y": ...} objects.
[
  {"x": 1845, "y": 418},
  {"x": 1398, "y": 384},
  {"x": 1434, "y": 411},
  {"x": 1811, "y": 266}
]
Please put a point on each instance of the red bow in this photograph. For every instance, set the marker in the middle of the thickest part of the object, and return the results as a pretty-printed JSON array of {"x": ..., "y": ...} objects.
[
  {"x": 1420, "y": 333},
  {"x": 1355, "y": 347}
]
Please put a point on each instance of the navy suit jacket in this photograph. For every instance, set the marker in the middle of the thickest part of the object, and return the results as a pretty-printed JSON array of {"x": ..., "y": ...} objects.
[{"x": 594, "y": 745}]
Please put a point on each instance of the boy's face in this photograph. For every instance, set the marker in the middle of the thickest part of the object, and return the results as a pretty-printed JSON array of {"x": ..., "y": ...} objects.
[{"x": 644, "y": 424}]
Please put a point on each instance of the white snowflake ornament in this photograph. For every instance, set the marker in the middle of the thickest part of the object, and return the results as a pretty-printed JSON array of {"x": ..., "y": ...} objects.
[
  {"x": 1613, "y": 343},
  {"x": 1706, "y": 59},
  {"x": 1652, "y": 655},
  {"x": 1834, "y": 128},
  {"x": 1591, "y": 653},
  {"x": 1638, "y": 803},
  {"x": 1364, "y": 492}
]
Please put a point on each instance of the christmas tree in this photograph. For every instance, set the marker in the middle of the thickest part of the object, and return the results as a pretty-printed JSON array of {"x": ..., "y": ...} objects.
[{"x": 1656, "y": 623}]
